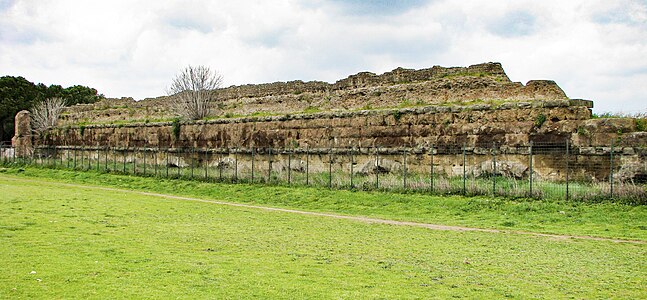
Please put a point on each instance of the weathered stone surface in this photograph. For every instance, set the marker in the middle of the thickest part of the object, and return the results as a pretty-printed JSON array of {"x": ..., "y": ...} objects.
[
  {"x": 476, "y": 107},
  {"x": 22, "y": 137},
  {"x": 401, "y": 87}
]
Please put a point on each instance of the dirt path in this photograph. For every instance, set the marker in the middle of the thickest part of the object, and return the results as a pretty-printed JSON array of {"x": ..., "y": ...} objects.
[{"x": 331, "y": 215}]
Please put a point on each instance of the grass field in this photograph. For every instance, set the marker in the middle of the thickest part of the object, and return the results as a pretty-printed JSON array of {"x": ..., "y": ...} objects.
[
  {"x": 600, "y": 219},
  {"x": 61, "y": 241}
]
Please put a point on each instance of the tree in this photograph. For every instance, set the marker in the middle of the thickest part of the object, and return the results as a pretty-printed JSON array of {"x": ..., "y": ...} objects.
[
  {"x": 80, "y": 94},
  {"x": 16, "y": 94},
  {"x": 192, "y": 90},
  {"x": 44, "y": 114}
]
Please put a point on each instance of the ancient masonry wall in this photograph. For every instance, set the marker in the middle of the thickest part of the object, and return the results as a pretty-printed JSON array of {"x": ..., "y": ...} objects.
[
  {"x": 483, "y": 83},
  {"x": 509, "y": 127},
  {"x": 475, "y": 107},
  {"x": 512, "y": 124}
]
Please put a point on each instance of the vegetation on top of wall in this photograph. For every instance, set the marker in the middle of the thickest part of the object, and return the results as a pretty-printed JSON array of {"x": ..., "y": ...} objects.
[
  {"x": 312, "y": 109},
  {"x": 640, "y": 118},
  {"x": 612, "y": 115},
  {"x": 466, "y": 74},
  {"x": 176, "y": 127},
  {"x": 641, "y": 124}
]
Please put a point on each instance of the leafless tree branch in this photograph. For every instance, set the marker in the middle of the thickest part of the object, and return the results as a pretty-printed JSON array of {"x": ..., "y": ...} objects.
[
  {"x": 192, "y": 90},
  {"x": 45, "y": 114}
]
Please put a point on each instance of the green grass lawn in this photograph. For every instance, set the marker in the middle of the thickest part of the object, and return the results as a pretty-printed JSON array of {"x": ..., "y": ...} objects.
[
  {"x": 600, "y": 219},
  {"x": 60, "y": 241}
]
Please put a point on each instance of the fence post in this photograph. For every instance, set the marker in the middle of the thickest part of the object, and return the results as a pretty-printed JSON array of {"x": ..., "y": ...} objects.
[
  {"x": 493, "y": 169},
  {"x": 179, "y": 171},
  {"x": 567, "y": 166},
  {"x": 269, "y": 164},
  {"x": 611, "y": 170},
  {"x": 114, "y": 159},
  {"x": 290, "y": 167},
  {"x": 530, "y": 166},
  {"x": 330, "y": 168},
  {"x": 144, "y": 161},
  {"x": 377, "y": 168},
  {"x": 464, "y": 168},
  {"x": 155, "y": 162},
  {"x": 236, "y": 164},
  {"x": 220, "y": 165},
  {"x": 431, "y": 170},
  {"x": 105, "y": 160},
  {"x": 253, "y": 158},
  {"x": 206, "y": 163},
  {"x": 352, "y": 161},
  {"x": 404, "y": 170},
  {"x": 98, "y": 158},
  {"x": 307, "y": 164},
  {"x": 124, "y": 159},
  {"x": 135, "y": 161},
  {"x": 167, "y": 161},
  {"x": 192, "y": 160}
]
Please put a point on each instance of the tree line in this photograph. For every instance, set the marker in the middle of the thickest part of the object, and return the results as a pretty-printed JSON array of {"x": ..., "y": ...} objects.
[{"x": 18, "y": 93}]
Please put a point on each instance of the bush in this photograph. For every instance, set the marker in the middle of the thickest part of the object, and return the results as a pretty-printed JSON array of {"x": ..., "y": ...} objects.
[
  {"x": 175, "y": 128},
  {"x": 540, "y": 120}
]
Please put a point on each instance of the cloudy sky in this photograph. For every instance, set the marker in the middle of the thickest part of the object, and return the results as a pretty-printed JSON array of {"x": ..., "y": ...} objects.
[{"x": 593, "y": 49}]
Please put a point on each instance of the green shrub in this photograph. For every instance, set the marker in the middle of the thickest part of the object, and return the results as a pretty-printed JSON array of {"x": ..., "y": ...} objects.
[
  {"x": 397, "y": 115},
  {"x": 176, "y": 127},
  {"x": 540, "y": 120},
  {"x": 641, "y": 124}
]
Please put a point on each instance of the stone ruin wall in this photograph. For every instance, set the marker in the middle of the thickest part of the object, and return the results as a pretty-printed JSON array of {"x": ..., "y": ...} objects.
[
  {"x": 484, "y": 83},
  {"x": 479, "y": 127},
  {"x": 477, "y": 106}
]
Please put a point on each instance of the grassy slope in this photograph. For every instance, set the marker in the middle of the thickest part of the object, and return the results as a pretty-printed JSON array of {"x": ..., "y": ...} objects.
[
  {"x": 604, "y": 219},
  {"x": 85, "y": 243}
]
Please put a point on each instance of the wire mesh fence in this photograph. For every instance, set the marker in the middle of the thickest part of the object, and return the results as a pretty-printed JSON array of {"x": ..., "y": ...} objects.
[{"x": 540, "y": 170}]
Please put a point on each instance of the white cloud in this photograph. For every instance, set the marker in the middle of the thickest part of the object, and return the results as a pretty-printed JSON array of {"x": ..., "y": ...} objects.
[{"x": 593, "y": 49}]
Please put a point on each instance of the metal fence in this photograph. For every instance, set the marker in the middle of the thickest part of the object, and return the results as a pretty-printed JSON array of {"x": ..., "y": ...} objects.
[{"x": 547, "y": 170}]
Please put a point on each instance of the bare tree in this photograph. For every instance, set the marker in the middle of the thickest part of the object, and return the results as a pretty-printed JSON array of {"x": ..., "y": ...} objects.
[
  {"x": 44, "y": 114},
  {"x": 192, "y": 90}
]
